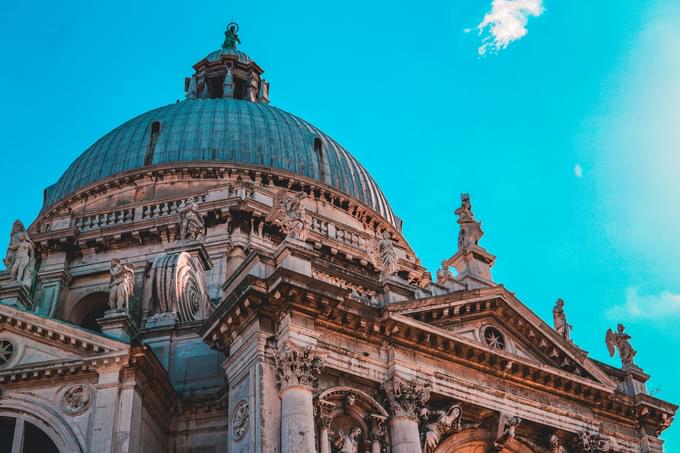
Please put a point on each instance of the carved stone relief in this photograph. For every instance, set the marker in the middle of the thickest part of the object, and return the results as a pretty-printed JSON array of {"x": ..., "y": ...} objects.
[
  {"x": 179, "y": 287},
  {"x": 241, "y": 420},
  {"x": 192, "y": 227},
  {"x": 288, "y": 213},
  {"x": 76, "y": 399}
]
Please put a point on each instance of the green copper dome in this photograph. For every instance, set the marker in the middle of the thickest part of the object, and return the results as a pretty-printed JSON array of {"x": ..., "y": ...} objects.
[{"x": 222, "y": 130}]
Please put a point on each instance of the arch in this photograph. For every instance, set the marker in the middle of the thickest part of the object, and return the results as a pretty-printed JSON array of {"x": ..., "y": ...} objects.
[
  {"x": 340, "y": 393},
  {"x": 45, "y": 419},
  {"x": 88, "y": 308},
  {"x": 477, "y": 441}
]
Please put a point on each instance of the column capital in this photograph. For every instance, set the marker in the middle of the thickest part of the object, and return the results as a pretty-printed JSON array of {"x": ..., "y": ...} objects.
[
  {"x": 405, "y": 399},
  {"x": 297, "y": 368}
]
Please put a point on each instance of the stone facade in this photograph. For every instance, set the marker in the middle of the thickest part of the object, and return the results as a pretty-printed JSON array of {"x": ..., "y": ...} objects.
[{"x": 222, "y": 306}]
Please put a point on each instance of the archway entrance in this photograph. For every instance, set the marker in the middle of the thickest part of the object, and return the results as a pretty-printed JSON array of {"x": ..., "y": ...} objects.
[
  {"x": 88, "y": 309},
  {"x": 20, "y": 436}
]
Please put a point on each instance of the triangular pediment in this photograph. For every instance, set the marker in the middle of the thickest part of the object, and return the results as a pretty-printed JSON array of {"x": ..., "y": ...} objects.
[
  {"x": 495, "y": 319},
  {"x": 30, "y": 340}
]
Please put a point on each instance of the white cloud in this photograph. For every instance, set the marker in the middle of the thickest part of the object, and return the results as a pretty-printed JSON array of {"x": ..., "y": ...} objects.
[
  {"x": 506, "y": 22},
  {"x": 578, "y": 171},
  {"x": 653, "y": 307}
]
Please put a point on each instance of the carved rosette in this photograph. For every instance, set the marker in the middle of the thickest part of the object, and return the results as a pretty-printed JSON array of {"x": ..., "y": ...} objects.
[
  {"x": 405, "y": 399},
  {"x": 298, "y": 368},
  {"x": 76, "y": 399},
  {"x": 179, "y": 287},
  {"x": 240, "y": 422}
]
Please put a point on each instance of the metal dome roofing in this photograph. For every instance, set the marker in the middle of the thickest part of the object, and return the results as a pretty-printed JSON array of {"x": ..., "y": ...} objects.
[{"x": 223, "y": 130}]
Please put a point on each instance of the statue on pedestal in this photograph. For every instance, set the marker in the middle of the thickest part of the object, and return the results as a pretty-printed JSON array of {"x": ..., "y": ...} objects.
[
  {"x": 470, "y": 229},
  {"x": 231, "y": 38},
  {"x": 122, "y": 285},
  {"x": 620, "y": 340},
  {"x": 20, "y": 255},
  {"x": 560, "y": 319}
]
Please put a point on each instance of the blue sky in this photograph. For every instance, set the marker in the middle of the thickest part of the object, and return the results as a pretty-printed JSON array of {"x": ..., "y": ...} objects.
[{"x": 402, "y": 85}]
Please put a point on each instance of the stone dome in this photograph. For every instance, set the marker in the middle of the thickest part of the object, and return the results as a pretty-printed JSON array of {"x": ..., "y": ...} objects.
[{"x": 222, "y": 130}]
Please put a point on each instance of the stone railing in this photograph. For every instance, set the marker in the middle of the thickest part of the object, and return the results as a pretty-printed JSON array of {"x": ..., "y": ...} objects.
[
  {"x": 124, "y": 216},
  {"x": 164, "y": 208},
  {"x": 92, "y": 222},
  {"x": 342, "y": 235}
]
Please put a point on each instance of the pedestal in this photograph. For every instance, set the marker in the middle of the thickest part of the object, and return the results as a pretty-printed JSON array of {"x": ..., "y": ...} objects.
[
  {"x": 117, "y": 324},
  {"x": 633, "y": 381},
  {"x": 15, "y": 295},
  {"x": 473, "y": 265}
]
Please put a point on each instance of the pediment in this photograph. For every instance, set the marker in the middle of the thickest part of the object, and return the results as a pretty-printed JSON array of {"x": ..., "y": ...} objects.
[
  {"x": 482, "y": 314},
  {"x": 29, "y": 340}
]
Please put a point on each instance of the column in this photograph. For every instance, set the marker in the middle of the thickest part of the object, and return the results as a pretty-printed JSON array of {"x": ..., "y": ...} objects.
[
  {"x": 18, "y": 440},
  {"x": 298, "y": 373},
  {"x": 378, "y": 432},
  {"x": 405, "y": 399},
  {"x": 324, "y": 409}
]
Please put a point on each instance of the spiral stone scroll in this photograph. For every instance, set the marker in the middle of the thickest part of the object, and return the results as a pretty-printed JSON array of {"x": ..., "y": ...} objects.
[{"x": 179, "y": 287}]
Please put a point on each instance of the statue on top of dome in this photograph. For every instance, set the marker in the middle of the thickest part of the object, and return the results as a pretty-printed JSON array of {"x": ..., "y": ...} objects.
[
  {"x": 231, "y": 37},
  {"x": 470, "y": 229}
]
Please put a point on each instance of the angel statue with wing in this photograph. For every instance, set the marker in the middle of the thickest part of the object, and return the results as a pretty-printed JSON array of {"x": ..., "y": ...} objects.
[
  {"x": 619, "y": 339},
  {"x": 122, "y": 284}
]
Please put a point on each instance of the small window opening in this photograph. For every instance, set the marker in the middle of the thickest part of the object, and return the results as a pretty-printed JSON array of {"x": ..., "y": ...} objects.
[
  {"x": 155, "y": 132},
  {"x": 318, "y": 150}
]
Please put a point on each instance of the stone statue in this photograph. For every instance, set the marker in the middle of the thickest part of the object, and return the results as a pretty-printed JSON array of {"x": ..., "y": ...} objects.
[
  {"x": 347, "y": 443},
  {"x": 20, "y": 255},
  {"x": 438, "y": 425},
  {"x": 509, "y": 428},
  {"x": 386, "y": 255},
  {"x": 122, "y": 284},
  {"x": 470, "y": 229},
  {"x": 444, "y": 274},
  {"x": 560, "y": 319},
  {"x": 191, "y": 227},
  {"x": 620, "y": 340},
  {"x": 555, "y": 445},
  {"x": 231, "y": 36}
]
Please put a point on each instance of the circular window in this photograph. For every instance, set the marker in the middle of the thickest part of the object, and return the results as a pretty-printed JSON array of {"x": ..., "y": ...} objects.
[
  {"x": 494, "y": 338},
  {"x": 7, "y": 350}
]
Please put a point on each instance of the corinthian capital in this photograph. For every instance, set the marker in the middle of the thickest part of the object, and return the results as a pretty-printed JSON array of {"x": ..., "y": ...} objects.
[
  {"x": 405, "y": 399},
  {"x": 298, "y": 368}
]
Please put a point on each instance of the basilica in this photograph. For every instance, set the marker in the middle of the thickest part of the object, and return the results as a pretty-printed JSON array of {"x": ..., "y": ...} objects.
[{"x": 218, "y": 275}]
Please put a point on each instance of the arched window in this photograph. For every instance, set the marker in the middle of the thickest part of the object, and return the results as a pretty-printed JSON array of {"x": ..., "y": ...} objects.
[
  {"x": 155, "y": 132},
  {"x": 18, "y": 435},
  {"x": 318, "y": 150},
  {"x": 87, "y": 310}
]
